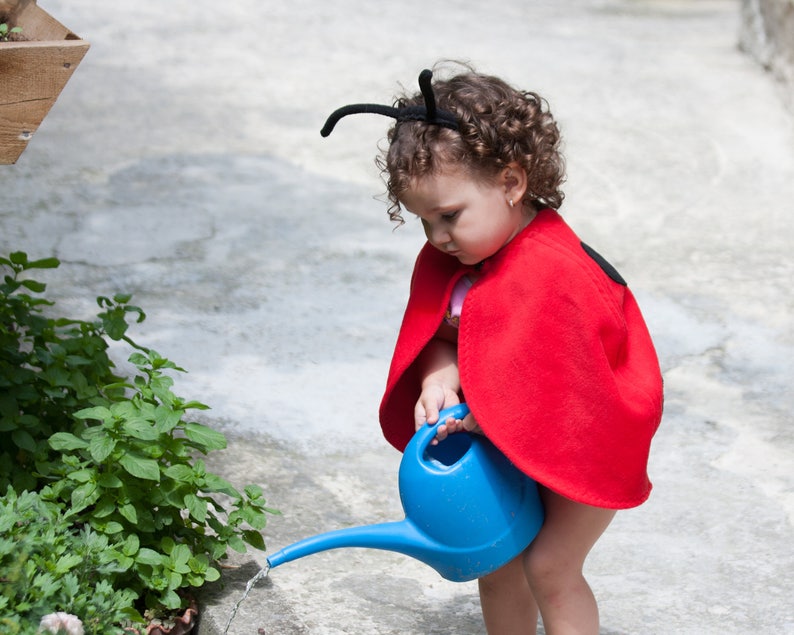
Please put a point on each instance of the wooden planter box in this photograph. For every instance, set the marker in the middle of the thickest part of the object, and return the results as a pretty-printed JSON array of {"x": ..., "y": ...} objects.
[{"x": 33, "y": 72}]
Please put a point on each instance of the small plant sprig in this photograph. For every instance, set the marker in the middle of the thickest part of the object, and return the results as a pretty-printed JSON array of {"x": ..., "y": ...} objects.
[{"x": 6, "y": 31}]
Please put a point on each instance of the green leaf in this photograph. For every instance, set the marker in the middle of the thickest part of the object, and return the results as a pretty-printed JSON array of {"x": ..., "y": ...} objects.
[
  {"x": 214, "y": 483},
  {"x": 199, "y": 468},
  {"x": 101, "y": 447},
  {"x": 109, "y": 481},
  {"x": 65, "y": 441},
  {"x": 199, "y": 563},
  {"x": 166, "y": 419},
  {"x": 23, "y": 440},
  {"x": 173, "y": 498},
  {"x": 114, "y": 324},
  {"x": 36, "y": 287},
  {"x": 141, "y": 467},
  {"x": 83, "y": 496},
  {"x": 195, "y": 405},
  {"x": 104, "y": 508},
  {"x": 170, "y": 599},
  {"x": 174, "y": 579},
  {"x": 46, "y": 582},
  {"x": 196, "y": 506},
  {"x": 130, "y": 513},
  {"x": 44, "y": 263},
  {"x": 179, "y": 558},
  {"x": 141, "y": 429},
  {"x": 67, "y": 561},
  {"x": 254, "y": 538},
  {"x": 207, "y": 437},
  {"x": 150, "y": 557},
  {"x": 9, "y": 407},
  {"x": 121, "y": 561},
  {"x": 167, "y": 544},
  {"x": 82, "y": 476},
  {"x": 131, "y": 545},
  {"x": 254, "y": 517},
  {"x": 98, "y": 413},
  {"x": 236, "y": 543},
  {"x": 113, "y": 528},
  {"x": 253, "y": 491},
  {"x": 161, "y": 387},
  {"x": 181, "y": 473},
  {"x": 127, "y": 409},
  {"x": 138, "y": 359}
]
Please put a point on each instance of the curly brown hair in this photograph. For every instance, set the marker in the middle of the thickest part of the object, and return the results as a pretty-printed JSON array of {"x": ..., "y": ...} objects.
[{"x": 498, "y": 125}]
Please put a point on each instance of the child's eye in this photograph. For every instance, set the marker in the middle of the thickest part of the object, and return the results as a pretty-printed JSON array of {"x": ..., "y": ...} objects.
[{"x": 450, "y": 215}]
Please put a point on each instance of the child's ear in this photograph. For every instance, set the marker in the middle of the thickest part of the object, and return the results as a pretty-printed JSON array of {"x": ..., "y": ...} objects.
[{"x": 514, "y": 181}]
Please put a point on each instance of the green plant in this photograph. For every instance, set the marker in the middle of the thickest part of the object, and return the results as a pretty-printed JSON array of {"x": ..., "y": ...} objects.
[
  {"x": 5, "y": 31},
  {"x": 119, "y": 456},
  {"x": 46, "y": 566},
  {"x": 130, "y": 473},
  {"x": 49, "y": 369}
]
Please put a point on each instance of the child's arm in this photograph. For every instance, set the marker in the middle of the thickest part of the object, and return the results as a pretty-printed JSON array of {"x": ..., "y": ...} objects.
[
  {"x": 441, "y": 385},
  {"x": 441, "y": 382}
]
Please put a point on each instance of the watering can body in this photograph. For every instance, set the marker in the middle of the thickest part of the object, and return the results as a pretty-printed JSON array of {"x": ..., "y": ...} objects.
[{"x": 468, "y": 510}]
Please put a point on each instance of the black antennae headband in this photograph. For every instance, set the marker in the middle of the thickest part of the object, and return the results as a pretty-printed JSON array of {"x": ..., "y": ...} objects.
[{"x": 427, "y": 113}]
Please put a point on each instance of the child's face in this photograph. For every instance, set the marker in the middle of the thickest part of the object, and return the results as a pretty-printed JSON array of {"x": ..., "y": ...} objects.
[{"x": 464, "y": 217}]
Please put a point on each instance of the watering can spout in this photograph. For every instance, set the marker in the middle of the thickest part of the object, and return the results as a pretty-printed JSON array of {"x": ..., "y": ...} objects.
[{"x": 402, "y": 537}]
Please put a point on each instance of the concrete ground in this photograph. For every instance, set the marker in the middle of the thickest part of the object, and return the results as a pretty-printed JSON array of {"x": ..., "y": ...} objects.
[{"x": 183, "y": 163}]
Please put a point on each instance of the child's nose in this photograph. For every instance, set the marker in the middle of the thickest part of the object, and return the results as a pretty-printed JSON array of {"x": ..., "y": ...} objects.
[{"x": 438, "y": 235}]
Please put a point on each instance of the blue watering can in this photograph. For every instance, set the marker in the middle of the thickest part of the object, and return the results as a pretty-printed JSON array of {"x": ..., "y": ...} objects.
[{"x": 468, "y": 510}]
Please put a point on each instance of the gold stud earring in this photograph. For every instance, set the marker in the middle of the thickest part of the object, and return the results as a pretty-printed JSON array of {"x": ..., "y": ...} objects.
[{"x": 511, "y": 203}]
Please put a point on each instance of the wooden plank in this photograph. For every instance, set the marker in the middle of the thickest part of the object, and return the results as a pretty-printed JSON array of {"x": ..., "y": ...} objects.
[
  {"x": 39, "y": 25},
  {"x": 34, "y": 70},
  {"x": 33, "y": 74}
]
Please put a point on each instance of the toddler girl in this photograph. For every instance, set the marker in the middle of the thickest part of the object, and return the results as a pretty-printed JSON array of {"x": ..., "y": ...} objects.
[{"x": 510, "y": 312}]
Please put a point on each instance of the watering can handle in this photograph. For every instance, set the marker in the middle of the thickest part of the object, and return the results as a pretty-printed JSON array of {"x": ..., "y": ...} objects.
[{"x": 427, "y": 432}]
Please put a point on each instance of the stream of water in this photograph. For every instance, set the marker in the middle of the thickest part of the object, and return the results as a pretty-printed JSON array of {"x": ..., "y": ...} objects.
[{"x": 251, "y": 583}]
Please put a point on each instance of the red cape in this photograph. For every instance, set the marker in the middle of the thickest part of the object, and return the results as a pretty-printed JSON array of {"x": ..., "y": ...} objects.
[{"x": 555, "y": 359}]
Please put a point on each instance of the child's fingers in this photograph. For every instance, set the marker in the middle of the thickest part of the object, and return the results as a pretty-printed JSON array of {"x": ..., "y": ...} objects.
[
  {"x": 430, "y": 404},
  {"x": 431, "y": 412},
  {"x": 425, "y": 411},
  {"x": 419, "y": 415},
  {"x": 450, "y": 426},
  {"x": 469, "y": 423},
  {"x": 442, "y": 432}
]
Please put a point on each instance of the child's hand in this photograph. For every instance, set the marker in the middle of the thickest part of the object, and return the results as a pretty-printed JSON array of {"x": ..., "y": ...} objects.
[
  {"x": 434, "y": 398},
  {"x": 451, "y": 426}
]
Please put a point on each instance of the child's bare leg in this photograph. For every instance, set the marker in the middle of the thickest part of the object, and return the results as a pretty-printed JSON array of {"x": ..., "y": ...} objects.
[
  {"x": 554, "y": 561},
  {"x": 508, "y": 607}
]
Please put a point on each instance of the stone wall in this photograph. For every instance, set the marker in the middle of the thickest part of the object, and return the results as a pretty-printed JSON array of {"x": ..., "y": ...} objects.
[{"x": 767, "y": 33}]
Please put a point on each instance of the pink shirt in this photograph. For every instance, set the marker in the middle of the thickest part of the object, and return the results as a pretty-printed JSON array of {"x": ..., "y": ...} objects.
[{"x": 462, "y": 286}]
